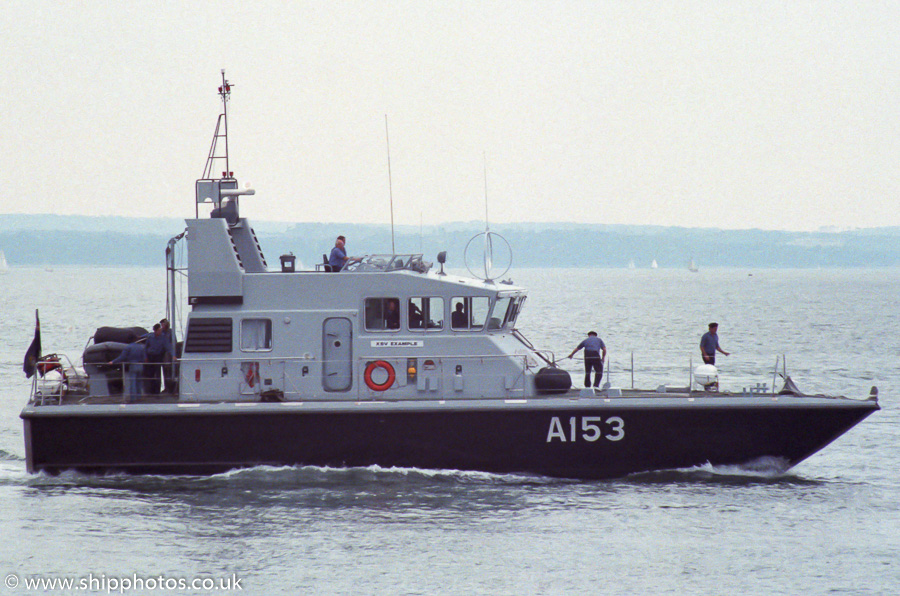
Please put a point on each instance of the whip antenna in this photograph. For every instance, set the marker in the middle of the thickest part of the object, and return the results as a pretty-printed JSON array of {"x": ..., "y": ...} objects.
[
  {"x": 488, "y": 246},
  {"x": 387, "y": 138},
  {"x": 486, "y": 227}
]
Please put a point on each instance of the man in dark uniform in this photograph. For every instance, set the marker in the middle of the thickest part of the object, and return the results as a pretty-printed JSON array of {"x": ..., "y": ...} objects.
[
  {"x": 133, "y": 358},
  {"x": 458, "y": 318},
  {"x": 168, "y": 359},
  {"x": 158, "y": 347},
  {"x": 709, "y": 343},
  {"x": 593, "y": 345},
  {"x": 392, "y": 315}
]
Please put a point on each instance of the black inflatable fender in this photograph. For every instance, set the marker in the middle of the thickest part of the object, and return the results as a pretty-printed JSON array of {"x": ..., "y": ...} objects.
[{"x": 551, "y": 379}]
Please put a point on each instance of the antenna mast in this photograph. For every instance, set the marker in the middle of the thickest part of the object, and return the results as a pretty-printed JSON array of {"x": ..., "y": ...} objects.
[
  {"x": 225, "y": 92},
  {"x": 488, "y": 246},
  {"x": 390, "y": 182},
  {"x": 221, "y": 133},
  {"x": 486, "y": 226}
]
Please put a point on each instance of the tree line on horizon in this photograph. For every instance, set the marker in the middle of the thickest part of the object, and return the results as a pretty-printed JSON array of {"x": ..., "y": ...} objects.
[{"x": 533, "y": 245}]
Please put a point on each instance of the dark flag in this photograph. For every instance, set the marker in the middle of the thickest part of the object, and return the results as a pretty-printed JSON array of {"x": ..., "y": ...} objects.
[{"x": 34, "y": 350}]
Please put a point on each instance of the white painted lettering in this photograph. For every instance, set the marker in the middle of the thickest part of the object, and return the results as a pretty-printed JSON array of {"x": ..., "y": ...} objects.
[
  {"x": 618, "y": 425},
  {"x": 556, "y": 430},
  {"x": 591, "y": 431},
  {"x": 397, "y": 343}
]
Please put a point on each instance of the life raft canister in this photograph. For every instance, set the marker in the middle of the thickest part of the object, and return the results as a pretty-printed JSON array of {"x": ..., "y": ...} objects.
[
  {"x": 391, "y": 375},
  {"x": 47, "y": 363}
]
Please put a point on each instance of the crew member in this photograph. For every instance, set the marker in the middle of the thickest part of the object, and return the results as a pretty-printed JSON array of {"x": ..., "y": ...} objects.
[
  {"x": 416, "y": 320},
  {"x": 158, "y": 348},
  {"x": 133, "y": 357},
  {"x": 392, "y": 315},
  {"x": 458, "y": 318},
  {"x": 709, "y": 343},
  {"x": 592, "y": 345},
  {"x": 168, "y": 359},
  {"x": 338, "y": 256}
]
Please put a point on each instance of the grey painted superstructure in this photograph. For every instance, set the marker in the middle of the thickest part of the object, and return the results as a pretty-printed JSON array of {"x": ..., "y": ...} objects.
[{"x": 300, "y": 313}]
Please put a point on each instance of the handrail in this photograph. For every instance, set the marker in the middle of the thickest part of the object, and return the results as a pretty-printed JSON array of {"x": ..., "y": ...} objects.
[
  {"x": 247, "y": 357},
  {"x": 521, "y": 337}
]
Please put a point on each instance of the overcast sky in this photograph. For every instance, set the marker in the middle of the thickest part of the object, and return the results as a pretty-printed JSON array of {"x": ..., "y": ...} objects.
[{"x": 703, "y": 114}]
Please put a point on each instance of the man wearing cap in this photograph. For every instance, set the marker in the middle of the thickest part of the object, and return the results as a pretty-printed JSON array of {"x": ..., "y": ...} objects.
[
  {"x": 709, "y": 343},
  {"x": 593, "y": 345}
]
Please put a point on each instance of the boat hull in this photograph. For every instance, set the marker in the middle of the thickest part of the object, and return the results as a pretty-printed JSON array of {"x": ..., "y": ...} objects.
[{"x": 598, "y": 438}]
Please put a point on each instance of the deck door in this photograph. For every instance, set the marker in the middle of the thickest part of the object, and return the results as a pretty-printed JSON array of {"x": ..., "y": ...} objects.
[{"x": 337, "y": 368}]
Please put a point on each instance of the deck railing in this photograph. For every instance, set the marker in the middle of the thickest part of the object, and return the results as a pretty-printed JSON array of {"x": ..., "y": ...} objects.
[{"x": 61, "y": 381}]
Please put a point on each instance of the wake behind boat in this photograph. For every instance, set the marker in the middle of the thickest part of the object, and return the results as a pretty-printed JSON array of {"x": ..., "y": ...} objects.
[{"x": 387, "y": 362}]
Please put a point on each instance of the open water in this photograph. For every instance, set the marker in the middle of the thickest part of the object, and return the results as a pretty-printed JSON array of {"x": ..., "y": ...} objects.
[{"x": 829, "y": 526}]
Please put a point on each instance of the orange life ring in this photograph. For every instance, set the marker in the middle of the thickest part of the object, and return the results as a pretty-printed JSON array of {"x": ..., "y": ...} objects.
[{"x": 391, "y": 375}]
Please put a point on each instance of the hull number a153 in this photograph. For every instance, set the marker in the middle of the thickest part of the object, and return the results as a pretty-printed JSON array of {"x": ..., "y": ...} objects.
[{"x": 591, "y": 429}]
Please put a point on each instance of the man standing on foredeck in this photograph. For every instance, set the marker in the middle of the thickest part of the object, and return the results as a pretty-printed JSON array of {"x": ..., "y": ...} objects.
[
  {"x": 709, "y": 343},
  {"x": 593, "y": 345}
]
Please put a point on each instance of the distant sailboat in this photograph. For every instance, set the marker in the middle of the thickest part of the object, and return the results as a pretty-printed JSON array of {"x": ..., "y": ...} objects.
[
  {"x": 653, "y": 265},
  {"x": 631, "y": 264},
  {"x": 693, "y": 266},
  {"x": 4, "y": 267}
]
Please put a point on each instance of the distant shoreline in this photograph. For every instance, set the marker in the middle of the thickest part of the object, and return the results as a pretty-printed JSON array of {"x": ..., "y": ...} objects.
[{"x": 28, "y": 241}]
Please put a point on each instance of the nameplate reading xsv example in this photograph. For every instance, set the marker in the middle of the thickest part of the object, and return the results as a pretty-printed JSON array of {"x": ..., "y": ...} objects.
[
  {"x": 592, "y": 428},
  {"x": 398, "y": 343}
]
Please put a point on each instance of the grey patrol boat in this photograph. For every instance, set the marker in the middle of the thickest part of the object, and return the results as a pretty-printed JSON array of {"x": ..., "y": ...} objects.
[{"x": 387, "y": 363}]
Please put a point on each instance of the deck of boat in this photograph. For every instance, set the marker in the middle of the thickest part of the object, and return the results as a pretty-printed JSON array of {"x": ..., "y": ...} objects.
[
  {"x": 78, "y": 398},
  {"x": 71, "y": 399}
]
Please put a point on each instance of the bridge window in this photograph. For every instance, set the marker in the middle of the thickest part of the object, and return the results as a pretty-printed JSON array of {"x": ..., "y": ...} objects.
[
  {"x": 500, "y": 314},
  {"x": 426, "y": 313},
  {"x": 514, "y": 309},
  {"x": 256, "y": 335},
  {"x": 382, "y": 314},
  {"x": 468, "y": 312}
]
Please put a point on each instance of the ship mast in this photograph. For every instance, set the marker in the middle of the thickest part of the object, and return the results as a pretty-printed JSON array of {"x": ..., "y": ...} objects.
[
  {"x": 222, "y": 192},
  {"x": 221, "y": 133}
]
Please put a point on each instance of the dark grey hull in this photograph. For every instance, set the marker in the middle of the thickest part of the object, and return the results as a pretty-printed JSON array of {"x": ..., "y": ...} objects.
[{"x": 588, "y": 439}]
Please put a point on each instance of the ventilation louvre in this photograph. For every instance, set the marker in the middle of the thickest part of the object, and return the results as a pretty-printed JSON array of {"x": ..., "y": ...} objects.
[{"x": 208, "y": 335}]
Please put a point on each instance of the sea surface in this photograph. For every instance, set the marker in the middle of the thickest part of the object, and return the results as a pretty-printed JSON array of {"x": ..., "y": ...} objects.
[{"x": 831, "y": 525}]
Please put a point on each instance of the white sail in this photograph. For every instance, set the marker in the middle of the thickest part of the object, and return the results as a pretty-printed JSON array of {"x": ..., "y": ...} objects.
[
  {"x": 4, "y": 268},
  {"x": 653, "y": 265}
]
